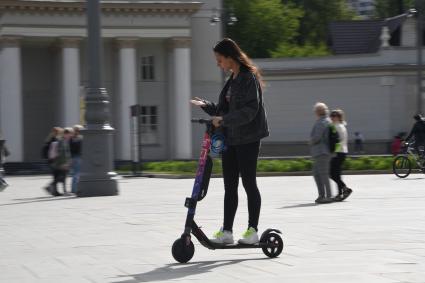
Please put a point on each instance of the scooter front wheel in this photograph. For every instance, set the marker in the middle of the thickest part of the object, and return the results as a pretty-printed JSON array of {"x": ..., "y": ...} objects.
[
  {"x": 274, "y": 245},
  {"x": 182, "y": 250}
]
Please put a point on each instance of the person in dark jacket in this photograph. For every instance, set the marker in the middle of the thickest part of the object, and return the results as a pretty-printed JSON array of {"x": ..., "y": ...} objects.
[
  {"x": 320, "y": 152},
  {"x": 54, "y": 136},
  {"x": 418, "y": 133},
  {"x": 76, "y": 147},
  {"x": 60, "y": 156},
  {"x": 240, "y": 112}
]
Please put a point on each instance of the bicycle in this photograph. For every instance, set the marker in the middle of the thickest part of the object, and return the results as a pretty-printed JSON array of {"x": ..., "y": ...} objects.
[{"x": 402, "y": 164}]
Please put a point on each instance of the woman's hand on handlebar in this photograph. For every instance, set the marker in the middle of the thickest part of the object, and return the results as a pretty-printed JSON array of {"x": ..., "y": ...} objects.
[{"x": 198, "y": 102}]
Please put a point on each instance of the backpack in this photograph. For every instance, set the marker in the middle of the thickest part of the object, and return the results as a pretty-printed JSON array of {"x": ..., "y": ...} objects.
[
  {"x": 53, "y": 150},
  {"x": 333, "y": 138}
]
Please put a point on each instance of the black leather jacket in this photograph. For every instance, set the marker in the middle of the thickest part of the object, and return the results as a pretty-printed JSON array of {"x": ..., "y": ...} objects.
[
  {"x": 244, "y": 116},
  {"x": 418, "y": 132}
]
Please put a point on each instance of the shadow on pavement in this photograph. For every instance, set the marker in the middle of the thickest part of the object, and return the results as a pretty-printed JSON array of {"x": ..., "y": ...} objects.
[
  {"x": 181, "y": 270},
  {"x": 409, "y": 179},
  {"x": 300, "y": 205},
  {"x": 39, "y": 199}
]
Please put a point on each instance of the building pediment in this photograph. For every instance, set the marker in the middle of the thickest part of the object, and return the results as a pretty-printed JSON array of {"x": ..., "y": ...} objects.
[
  {"x": 139, "y": 19},
  {"x": 156, "y": 7}
]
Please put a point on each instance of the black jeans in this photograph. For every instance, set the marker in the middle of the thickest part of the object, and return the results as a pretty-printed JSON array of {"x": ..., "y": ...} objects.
[
  {"x": 336, "y": 169},
  {"x": 241, "y": 159},
  {"x": 59, "y": 176}
]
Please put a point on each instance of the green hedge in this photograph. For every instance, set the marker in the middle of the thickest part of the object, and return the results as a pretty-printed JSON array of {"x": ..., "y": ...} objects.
[
  {"x": 369, "y": 163},
  {"x": 267, "y": 165}
]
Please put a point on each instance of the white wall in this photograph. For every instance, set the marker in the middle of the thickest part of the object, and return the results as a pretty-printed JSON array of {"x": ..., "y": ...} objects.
[
  {"x": 40, "y": 77},
  {"x": 378, "y": 111},
  {"x": 377, "y": 104},
  {"x": 154, "y": 93}
]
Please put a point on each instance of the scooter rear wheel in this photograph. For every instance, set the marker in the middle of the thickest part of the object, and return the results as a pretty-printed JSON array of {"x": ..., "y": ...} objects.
[
  {"x": 182, "y": 252},
  {"x": 277, "y": 242}
]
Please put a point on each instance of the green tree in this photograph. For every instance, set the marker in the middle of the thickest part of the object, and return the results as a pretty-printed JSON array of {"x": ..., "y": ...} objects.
[
  {"x": 307, "y": 50},
  {"x": 313, "y": 31},
  {"x": 390, "y": 8},
  {"x": 285, "y": 28},
  {"x": 263, "y": 24},
  {"x": 317, "y": 16}
]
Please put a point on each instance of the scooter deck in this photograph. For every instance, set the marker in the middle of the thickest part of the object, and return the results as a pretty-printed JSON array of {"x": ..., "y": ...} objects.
[
  {"x": 206, "y": 242},
  {"x": 237, "y": 246}
]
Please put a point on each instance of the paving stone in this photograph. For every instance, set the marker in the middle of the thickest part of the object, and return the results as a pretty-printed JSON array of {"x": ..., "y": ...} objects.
[{"x": 377, "y": 235}]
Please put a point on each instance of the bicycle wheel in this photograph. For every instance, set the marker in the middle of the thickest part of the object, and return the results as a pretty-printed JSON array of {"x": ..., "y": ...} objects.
[{"x": 402, "y": 166}]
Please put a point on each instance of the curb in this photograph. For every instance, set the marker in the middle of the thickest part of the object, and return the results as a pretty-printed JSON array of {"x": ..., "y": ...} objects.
[{"x": 259, "y": 174}]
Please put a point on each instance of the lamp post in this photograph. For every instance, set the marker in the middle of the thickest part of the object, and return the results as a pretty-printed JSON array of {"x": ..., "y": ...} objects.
[
  {"x": 97, "y": 176},
  {"x": 226, "y": 17},
  {"x": 2, "y": 144}
]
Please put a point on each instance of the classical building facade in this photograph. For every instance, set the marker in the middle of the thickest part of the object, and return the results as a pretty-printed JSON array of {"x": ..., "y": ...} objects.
[
  {"x": 155, "y": 53},
  {"x": 158, "y": 54}
]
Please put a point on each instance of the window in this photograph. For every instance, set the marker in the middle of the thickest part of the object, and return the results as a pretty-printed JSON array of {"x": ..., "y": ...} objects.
[
  {"x": 147, "y": 69},
  {"x": 149, "y": 125}
]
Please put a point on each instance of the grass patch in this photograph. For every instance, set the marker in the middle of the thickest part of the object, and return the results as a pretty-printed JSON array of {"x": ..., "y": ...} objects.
[{"x": 265, "y": 165}]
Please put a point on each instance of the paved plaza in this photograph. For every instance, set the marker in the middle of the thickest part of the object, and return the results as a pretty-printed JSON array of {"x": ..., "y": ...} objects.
[{"x": 377, "y": 235}]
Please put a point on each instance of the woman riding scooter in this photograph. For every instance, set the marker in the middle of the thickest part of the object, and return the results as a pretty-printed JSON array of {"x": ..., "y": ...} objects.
[{"x": 240, "y": 111}]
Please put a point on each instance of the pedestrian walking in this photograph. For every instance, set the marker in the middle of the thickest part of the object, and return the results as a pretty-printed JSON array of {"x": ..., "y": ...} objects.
[
  {"x": 60, "y": 156},
  {"x": 240, "y": 112},
  {"x": 4, "y": 152},
  {"x": 320, "y": 152},
  {"x": 53, "y": 136},
  {"x": 338, "y": 120},
  {"x": 76, "y": 147}
]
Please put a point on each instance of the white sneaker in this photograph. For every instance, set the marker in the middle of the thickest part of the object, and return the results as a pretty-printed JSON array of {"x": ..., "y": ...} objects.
[
  {"x": 223, "y": 237},
  {"x": 249, "y": 237}
]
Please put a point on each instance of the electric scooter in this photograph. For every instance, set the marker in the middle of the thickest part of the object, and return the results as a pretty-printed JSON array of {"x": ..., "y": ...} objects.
[{"x": 183, "y": 249}]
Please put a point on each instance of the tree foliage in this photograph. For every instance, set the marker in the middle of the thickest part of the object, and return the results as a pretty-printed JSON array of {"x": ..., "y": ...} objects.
[
  {"x": 285, "y": 28},
  {"x": 390, "y": 8},
  {"x": 263, "y": 24},
  {"x": 317, "y": 16}
]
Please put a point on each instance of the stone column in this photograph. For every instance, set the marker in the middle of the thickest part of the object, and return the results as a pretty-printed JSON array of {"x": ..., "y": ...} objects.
[
  {"x": 70, "y": 89},
  {"x": 127, "y": 94},
  {"x": 11, "y": 108},
  {"x": 408, "y": 32},
  {"x": 180, "y": 94}
]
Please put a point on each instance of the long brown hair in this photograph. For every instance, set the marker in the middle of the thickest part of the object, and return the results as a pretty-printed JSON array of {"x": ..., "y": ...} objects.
[{"x": 229, "y": 48}]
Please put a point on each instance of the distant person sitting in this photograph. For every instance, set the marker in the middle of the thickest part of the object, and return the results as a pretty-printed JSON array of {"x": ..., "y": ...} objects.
[
  {"x": 418, "y": 133},
  {"x": 358, "y": 143},
  {"x": 396, "y": 145}
]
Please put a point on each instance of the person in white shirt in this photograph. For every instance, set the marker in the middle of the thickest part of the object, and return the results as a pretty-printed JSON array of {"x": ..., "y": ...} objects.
[
  {"x": 337, "y": 117},
  {"x": 4, "y": 152}
]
